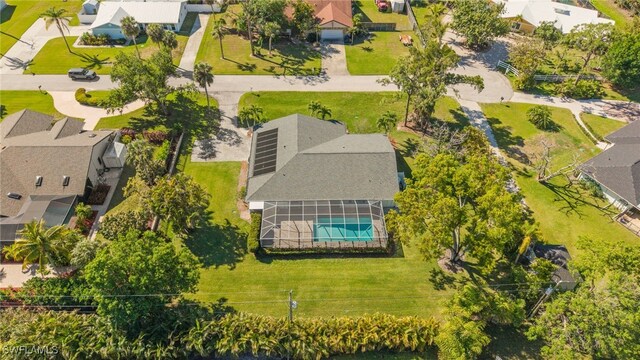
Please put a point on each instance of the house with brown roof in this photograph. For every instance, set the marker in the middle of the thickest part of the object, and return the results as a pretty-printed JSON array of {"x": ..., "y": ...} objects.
[
  {"x": 46, "y": 166},
  {"x": 335, "y": 17}
]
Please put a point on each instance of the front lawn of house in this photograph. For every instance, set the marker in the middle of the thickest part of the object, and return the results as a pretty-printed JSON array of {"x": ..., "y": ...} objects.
[
  {"x": 14, "y": 101},
  {"x": 565, "y": 213},
  {"x": 601, "y": 126},
  {"x": 377, "y": 54},
  {"x": 54, "y": 58},
  {"x": 19, "y": 15}
]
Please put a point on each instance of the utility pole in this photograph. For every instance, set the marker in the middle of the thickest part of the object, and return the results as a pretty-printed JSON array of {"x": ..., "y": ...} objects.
[{"x": 542, "y": 299}]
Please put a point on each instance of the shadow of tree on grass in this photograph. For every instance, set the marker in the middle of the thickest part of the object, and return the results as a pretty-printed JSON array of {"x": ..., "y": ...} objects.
[{"x": 218, "y": 244}]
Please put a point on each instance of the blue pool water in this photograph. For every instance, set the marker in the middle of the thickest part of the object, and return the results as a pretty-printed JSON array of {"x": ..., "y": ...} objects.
[{"x": 343, "y": 229}]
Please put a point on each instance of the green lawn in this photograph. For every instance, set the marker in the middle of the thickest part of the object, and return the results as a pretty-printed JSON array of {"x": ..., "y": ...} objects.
[
  {"x": 322, "y": 285},
  {"x": 286, "y": 59},
  {"x": 19, "y": 15},
  {"x": 564, "y": 213},
  {"x": 13, "y": 101},
  {"x": 610, "y": 9},
  {"x": 378, "y": 54},
  {"x": 371, "y": 14},
  {"x": 520, "y": 138},
  {"x": 601, "y": 126},
  {"x": 55, "y": 59}
]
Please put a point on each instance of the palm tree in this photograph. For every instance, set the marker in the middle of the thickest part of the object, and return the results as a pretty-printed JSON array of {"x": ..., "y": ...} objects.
[
  {"x": 271, "y": 29},
  {"x": 130, "y": 29},
  {"x": 155, "y": 33},
  {"x": 219, "y": 31},
  {"x": 387, "y": 121},
  {"x": 319, "y": 110},
  {"x": 57, "y": 16},
  {"x": 203, "y": 76},
  {"x": 39, "y": 245}
]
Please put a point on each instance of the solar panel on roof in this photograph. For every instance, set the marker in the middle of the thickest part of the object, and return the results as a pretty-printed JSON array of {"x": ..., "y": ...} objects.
[{"x": 264, "y": 160}]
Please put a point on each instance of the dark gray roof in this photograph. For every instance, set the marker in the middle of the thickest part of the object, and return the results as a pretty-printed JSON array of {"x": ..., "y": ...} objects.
[
  {"x": 618, "y": 167},
  {"x": 318, "y": 160},
  {"x": 30, "y": 149},
  {"x": 629, "y": 134},
  {"x": 54, "y": 210}
]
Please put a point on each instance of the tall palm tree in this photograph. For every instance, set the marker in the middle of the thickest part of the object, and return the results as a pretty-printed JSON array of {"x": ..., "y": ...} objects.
[
  {"x": 219, "y": 31},
  {"x": 57, "y": 16},
  {"x": 130, "y": 29},
  {"x": 271, "y": 29},
  {"x": 203, "y": 76},
  {"x": 39, "y": 245}
]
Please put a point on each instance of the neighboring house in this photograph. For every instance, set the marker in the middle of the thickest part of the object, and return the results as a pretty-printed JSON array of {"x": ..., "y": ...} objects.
[
  {"x": 617, "y": 169},
  {"x": 318, "y": 186},
  {"x": 46, "y": 166},
  {"x": 559, "y": 255},
  {"x": 526, "y": 15},
  {"x": 335, "y": 17},
  {"x": 170, "y": 14},
  {"x": 89, "y": 11}
]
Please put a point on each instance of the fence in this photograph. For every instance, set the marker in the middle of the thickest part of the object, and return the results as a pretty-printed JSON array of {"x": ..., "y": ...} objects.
[
  {"x": 414, "y": 22},
  {"x": 561, "y": 78},
  {"x": 507, "y": 68},
  {"x": 374, "y": 26},
  {"x": 203, "y": 8}
]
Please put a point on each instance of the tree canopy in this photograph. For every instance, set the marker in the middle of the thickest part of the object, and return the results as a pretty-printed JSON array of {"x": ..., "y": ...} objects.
[
  {"x": 621, "y": 64},
  {"x": 479, "y": 21}
]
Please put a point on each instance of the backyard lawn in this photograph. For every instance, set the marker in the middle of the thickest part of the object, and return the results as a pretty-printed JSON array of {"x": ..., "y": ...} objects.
[
  {"x": 565, "y": 213},
  {"x": 13, "y": 101},
  {"x": 611, "y": 9},
  {"x": 378, "y": 54},
  {"x": 370, "y": 13},
  {"x": 19, "y": 15},
  {"x": 322, "y": 285},
  {"x": 601, "y": 126},
  {"x": 55, "y": 59}
]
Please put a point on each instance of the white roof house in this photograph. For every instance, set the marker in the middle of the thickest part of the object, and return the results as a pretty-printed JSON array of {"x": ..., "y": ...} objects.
[
  {"x": 565, "y": 17},
  {"x": 171, "y": 14}
]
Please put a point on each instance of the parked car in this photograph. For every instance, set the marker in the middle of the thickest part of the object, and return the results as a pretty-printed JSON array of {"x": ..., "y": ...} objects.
[
  {"x": 81, "y": 74},
  {"x": 382, "y": 5}
]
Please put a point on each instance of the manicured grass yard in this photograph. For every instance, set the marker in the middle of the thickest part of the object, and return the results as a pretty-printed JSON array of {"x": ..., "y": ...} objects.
[
  {"x": 322, "y": 285},
  {"x": 564, "y": 213},
  {"x": 13, "y": 101},
  {"x": 19, "y": 15},
  {"x": 55, "y": 59},
  {"x": 371, "y": 14},
  {"x": 610, "y": 9},
  {"x": 378, "y": 54},
  {"x": 601, "y": 126},
  {"x": 287, "y": 58}
]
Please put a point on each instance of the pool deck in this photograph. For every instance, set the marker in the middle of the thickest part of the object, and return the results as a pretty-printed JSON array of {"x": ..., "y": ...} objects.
[{"x": 299, "y": 235}]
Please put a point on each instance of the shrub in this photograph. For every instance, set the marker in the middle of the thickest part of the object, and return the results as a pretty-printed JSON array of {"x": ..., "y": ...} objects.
[
  {"x": 163, "y": 152},
  {"x": 591, "y": 187},
  {"x": 584, "y": 89},
  {"x": 117, "y": 224},
  {"x": 125, "y": 139},
  {"x": 94, "y": 40},
  {"x": 55, "y": 291},
  {"x": 86, "y": 99},
  {"x": 125, "y": 131},
  {"x": 540, "y": 116},
  {"x": 155, "y": 137},
  {"x": 85, "y": 251},
  {"x": 253, "y": 239},
  {"x": 242, "y": 194}
]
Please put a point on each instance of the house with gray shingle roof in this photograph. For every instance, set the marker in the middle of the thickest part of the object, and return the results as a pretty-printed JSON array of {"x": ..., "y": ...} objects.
[
  {"x": 617, "y": 169},
  {"x": 45, "y": 165},
  {"x": 318, "y": 186}
]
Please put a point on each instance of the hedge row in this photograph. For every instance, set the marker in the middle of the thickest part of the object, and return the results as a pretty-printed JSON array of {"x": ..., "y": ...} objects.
[
  {"x": 86, "y": 99},
  {"x": 253, "y": 238},
  {"x": 76, "y": 336}
]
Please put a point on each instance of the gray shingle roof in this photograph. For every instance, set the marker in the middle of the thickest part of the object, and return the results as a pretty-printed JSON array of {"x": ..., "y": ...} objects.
[
  {"x": 31, "y": 150},
  {"x": 318, "y": 160},
  {"x": 618, "y": 167}
]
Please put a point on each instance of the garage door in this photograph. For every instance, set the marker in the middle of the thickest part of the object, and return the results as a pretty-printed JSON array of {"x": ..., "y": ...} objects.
[{"x": 331, "y": 35}]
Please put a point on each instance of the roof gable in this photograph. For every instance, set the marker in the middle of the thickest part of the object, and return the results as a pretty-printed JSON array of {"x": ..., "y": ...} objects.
[{"x": 24, "y": 122}]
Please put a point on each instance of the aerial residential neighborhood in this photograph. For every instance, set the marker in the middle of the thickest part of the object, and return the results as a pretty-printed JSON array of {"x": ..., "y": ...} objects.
[{"x": 319, "y": 179}]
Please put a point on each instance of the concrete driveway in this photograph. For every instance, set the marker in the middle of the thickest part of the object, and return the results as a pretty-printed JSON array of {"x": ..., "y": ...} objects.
[{"x": 334, "y": 58}]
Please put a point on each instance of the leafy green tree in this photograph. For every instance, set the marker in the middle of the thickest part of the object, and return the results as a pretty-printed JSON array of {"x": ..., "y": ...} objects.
[
  {"x": 178, "y": 200},
  {"x": 318, "y": 110},
  {"x": 58, "y": 17},
  {"x": 540, "y": 116},
  {"x": 548, "y": 33},
  {"x": 37, "y": 244},
  {"x": 527, "y": 56},
  {"x": 387, "y": 121},
  {"x": 357, "y": 29},
  {"x": 142, "y": 79},
  {"x": 251, "y": 115},
  {"x": 137, "y": 276},
  {"x": 155, "y": 33},
  {"x": 621, "y": 63},
  {"x": 140, "y": 156},
  {"x": 271, "y": 30},
  {"x": 257, "y": 13},
  {"x": 130, "y": 29},
  {"x": 114, "y": 225},
  {"x": 203, "y": 76},
  {"x": 479, "y": 21},
  {"x": 304, "y": 18},
  {"x": 593, "y": 39},
  {"x": 458, "y": 201},
  {"x": 85, "y": 251},
  {"x": 219, "y": 31}
]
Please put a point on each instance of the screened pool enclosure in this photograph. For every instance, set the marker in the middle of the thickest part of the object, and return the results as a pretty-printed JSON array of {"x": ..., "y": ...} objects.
[{"x": 323, "y": 224}]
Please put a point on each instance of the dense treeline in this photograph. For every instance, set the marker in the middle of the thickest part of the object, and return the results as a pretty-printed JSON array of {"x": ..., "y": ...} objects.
[{"x": 71, "y": 335}]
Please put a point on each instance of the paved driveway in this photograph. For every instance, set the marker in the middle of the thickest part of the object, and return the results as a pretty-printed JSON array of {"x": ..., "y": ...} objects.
[{"x": 334, "y": 58}]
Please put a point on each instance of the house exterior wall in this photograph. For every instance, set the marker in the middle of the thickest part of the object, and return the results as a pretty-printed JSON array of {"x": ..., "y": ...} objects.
[
  {"x": 617, "y": 201},
  {"x": 112, "y": 31},
  {"x": 94, "y": 164},
  {"x": 525, "y": 27}
]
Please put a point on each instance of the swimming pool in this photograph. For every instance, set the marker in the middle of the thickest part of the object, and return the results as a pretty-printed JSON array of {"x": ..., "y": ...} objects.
[{"x": 343, "y": 229}]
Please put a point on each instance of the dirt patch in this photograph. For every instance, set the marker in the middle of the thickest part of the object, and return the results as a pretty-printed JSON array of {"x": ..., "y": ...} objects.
[
  {"x": 451, "y": 267},
  {"x": 243, "y": 208}
]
